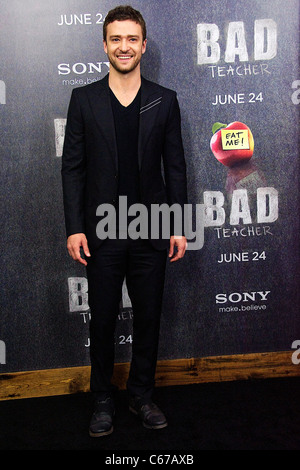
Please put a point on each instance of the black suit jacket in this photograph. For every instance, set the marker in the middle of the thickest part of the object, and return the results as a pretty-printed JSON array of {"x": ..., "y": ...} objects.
[{"x": 90, "y": 160}]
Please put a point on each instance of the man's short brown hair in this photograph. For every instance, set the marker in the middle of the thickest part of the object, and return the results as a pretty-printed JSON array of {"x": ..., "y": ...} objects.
[{"x": 122, "y": 13}]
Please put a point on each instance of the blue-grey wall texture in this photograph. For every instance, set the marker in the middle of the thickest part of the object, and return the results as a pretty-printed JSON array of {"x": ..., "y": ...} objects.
[{"x": 231, "y": 62}]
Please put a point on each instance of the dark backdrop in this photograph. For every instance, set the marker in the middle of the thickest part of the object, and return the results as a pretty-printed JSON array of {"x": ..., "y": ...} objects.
[{"x": 228, "y": 61}]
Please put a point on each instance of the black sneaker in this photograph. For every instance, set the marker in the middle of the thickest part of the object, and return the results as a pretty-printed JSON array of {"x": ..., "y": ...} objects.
[
  {"x": 102, "y": 420},
  {"x": 151, "y": 416}
]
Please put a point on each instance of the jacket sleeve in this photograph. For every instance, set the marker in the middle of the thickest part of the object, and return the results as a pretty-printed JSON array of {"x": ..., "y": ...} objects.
[
  {"x": 74, "y": 168},
  {"x": 174, "y": 161}
]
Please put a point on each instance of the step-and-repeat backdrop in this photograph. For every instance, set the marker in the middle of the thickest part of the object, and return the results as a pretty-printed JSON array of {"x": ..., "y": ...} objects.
[{"x": 235, "y": 67}]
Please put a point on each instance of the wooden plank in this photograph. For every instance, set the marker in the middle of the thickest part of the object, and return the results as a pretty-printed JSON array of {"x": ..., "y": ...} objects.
[
  {"x": 46, "y": 382},
  {"x": 69, "y": 380},
  {"x": 226, "y": 368}
]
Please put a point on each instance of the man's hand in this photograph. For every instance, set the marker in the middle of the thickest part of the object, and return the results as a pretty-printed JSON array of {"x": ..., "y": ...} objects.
[
  {"x": 74, "y": 243},
  {"x": 181, "y": 244}
]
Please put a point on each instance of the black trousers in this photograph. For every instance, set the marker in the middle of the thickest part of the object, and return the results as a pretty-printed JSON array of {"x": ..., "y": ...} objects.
[{"x": 144, "y": 270}]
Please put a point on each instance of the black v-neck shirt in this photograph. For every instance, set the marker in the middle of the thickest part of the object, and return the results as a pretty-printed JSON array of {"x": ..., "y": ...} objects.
[{"x": 126, "y": 120}]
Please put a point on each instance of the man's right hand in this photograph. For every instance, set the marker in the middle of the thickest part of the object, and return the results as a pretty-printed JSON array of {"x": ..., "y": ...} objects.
[{"x": 74, "y": 243}]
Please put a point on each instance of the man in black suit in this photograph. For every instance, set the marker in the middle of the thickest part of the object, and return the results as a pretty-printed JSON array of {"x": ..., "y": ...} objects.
[{"x": 118, "y": 132}]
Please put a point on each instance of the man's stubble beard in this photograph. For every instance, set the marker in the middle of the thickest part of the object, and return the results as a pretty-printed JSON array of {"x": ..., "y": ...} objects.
[{"x": 124, "y": 71}]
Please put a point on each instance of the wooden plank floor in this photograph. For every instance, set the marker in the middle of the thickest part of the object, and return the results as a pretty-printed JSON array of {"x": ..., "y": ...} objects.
[{"x": 69, "y": 380}]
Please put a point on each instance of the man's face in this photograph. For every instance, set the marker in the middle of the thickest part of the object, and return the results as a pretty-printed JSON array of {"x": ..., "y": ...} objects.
[{"x": 124, "y": 45}]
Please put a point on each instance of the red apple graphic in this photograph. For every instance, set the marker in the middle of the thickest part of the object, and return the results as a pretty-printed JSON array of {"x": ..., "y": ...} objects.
[{"x": 239, "y": 146}]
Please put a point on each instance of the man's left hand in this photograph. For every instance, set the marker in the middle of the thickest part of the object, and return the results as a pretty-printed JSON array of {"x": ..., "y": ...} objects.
[{"x": 180, "y": 243}]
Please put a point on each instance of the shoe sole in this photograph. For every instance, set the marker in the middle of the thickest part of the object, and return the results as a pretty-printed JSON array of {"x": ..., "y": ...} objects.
[
  {"x": 158, "y": 426},
  {"x": 148, "y": 426},
  {"x": 100, "y": 434}
]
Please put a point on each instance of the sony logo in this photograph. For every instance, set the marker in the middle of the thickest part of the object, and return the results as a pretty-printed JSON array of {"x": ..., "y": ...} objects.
[
  {"x": 80, "y": 68},
  {"x": 236, "y": 297}
]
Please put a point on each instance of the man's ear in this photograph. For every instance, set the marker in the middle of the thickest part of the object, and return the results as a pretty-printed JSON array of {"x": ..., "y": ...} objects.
[{"x": 144, "y": 46}]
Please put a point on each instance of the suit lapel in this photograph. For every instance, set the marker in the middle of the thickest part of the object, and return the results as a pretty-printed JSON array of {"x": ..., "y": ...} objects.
[
  {"x": 100, "y": 103},
  {"x": 151, "y": 97},
  {"x": 101, "y": 106}
]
